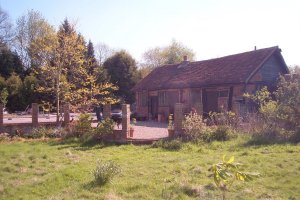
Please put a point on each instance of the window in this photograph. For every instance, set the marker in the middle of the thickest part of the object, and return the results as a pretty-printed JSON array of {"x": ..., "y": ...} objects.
[
  {"x": 162, "y": 98},
  {"x": 223, "y": 93},
  {"x": 143, "y": 98},
  {"x": 196, "y": 96}
]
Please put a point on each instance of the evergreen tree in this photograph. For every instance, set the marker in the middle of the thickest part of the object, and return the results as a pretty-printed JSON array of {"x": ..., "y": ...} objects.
[
  {"x": 9, "y": 62},
  {"x": 66, "y": 72},
  {"x": 122, "y": 71}
]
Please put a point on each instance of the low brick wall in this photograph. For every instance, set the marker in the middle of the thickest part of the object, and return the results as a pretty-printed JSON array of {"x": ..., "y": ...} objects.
[{"x": 23, "y": 128}]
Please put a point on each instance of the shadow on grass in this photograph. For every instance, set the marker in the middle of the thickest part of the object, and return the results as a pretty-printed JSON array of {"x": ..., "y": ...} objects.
[
  {"x": 92, "y": 185},
  {"x": 80, "y": 145},
  {"x": 265, "y": 141}
]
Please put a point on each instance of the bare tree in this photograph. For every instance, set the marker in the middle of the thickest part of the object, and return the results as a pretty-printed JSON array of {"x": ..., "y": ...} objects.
[
  {"x": 30, "y": 27},
  {"x": 6, "y": 32},
  {"x": 103, "y": 52}
]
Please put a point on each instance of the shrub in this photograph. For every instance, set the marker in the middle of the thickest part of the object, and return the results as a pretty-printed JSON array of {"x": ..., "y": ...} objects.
[
  {"x": 224, "y": 118},
  {"x": 83, "y": 125},
  {"x": 172, "y": 145},
  {"x": 4, "y": 137},
  {"x": 39, "y": 132},
  {"x": 104, "y": 128},
  {"x": 193, "y": 126},
  {"x": 105, "y": 171},
  {"x": 222, "y": 133}
]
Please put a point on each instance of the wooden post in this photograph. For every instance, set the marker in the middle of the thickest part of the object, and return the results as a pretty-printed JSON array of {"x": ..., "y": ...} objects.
[
  {"x": 106, "y": 111},
  {"x": 35, "y": 114},
  {"x": 125, "y": 120},
  {"x": 1, "y": 114},
  {"x": 67, "y": 114},
  {"x": 178, "y": 118}
]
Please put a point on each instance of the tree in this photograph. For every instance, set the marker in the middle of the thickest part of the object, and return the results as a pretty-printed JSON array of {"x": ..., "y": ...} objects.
[
  {"x": 3, "y": 97},
  {"x": 14, "y": 85},
  {"x": 288, "y": 98},
  {"x": 67, "y": 72},
  {"x": 30, "y": 27},
  {"x": 6, "y": 32},
  {"x": 103, "y": 52},
  {"x": 122, "y": 71},
  {"x": 170, "y": 54},
  {"x": 9, "y": 62}
]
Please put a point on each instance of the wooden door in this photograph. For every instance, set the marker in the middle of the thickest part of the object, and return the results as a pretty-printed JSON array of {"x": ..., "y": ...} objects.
[
  {"x": 210, "y": 102},
  {"x": 154, "y": 106}
]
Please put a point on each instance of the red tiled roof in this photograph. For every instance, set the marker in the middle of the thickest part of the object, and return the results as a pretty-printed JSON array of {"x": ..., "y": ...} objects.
[{"x": 225, "y": 70}]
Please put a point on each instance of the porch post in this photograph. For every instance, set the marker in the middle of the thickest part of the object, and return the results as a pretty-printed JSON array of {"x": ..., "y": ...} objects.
[
  {"x": 178, "y": 118},
  {"x": 66, "y": 114},
  {"x": 125, "y": 120},
  {"x": 106, "y": 111},
  {"x": 35, "y": 114},
  {"x": 1, "y": 114}
]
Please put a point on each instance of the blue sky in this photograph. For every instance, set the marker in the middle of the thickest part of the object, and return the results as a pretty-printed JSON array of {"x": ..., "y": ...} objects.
[{"x": 212, "y": 28}]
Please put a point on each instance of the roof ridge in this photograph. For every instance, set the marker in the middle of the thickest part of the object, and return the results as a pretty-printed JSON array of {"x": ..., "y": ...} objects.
[{"x": 195, "y": 62}]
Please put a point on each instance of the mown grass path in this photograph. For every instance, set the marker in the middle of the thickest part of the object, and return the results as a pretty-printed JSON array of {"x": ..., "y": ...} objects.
[{"x": 51, "y": 170}]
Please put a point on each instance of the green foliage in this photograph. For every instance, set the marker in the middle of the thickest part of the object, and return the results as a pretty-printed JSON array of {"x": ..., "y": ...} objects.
[
  {"x": 105, "y": 171},
  {"x": 30, "y": 27},
  {"x": 278, "y": 118},
  {"x": 193, "y": 126},
  {"x": 220, "y": 133},
  {"x": 3, "y": 97},
  {"x": 104, "y": 128},
  {"x": 171, "y": 54},
  {"x": 40, "y": 132},
  {"x": 227, "y": 172},
  {"x": 83, "y": 125},
  {"x": 122, "y": 71},
  {"x": 171, "y": 145},
  {"x": 288, "y": 96},
  {"x": 224, "y": 118},
  {"x": 9, "y": 62}
]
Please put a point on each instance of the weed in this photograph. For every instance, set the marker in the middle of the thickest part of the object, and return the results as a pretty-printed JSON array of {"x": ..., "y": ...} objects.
[
  {"x": 105, "y": 171},
  {"x": 172, "y": 145}
]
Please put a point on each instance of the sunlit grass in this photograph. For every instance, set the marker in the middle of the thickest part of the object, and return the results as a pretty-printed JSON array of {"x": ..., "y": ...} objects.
[{"x": 50, "y": 170}]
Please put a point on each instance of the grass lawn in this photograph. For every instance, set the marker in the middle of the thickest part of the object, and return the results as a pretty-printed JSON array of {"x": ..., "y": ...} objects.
[{"x": 51, "y": 170}]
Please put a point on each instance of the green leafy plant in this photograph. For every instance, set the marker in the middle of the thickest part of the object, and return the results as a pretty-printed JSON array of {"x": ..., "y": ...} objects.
[
  {"x": 226, "y": 173},
  {"x": 105, "y": 171},
  {"x": 3, "y": 97},
  {"x": 40, "y": 132},
  {"x": 83, "y": 125},
  {"x": 224, "y": 118},
  {"x": 104, "y": 128},
  {"x": 171, "y": 145},
  {"x": 193, "y": 126}
]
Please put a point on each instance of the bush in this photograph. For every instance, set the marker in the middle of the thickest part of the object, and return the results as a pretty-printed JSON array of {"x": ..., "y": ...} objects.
[
  {"x": 4, "y": 137},
  {"x": 104, "y": 128},
  {"x": 172, "y": 145},
  {"x": 193, "y": 126},
  {"x": 274, "y": 135},
  {"x": 222, "y": 133},
  {"x": 105, "y": 171},
  {"x": 224, "y": 118},
  {"x": 39, "y": 132},
  {"x": 83, "y": 125}
]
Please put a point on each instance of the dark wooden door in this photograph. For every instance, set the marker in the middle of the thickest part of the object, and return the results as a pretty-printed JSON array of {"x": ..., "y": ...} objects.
[
  {"x": 154, "y": 106},
  {"x": 210, "y": 102}
]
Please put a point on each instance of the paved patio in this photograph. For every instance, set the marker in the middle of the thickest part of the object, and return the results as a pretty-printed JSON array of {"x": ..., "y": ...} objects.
[
  {"x": 143, "y": 130},
  {"x": 150, "y": 130},
  {"x": 147, "y": 130}
]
